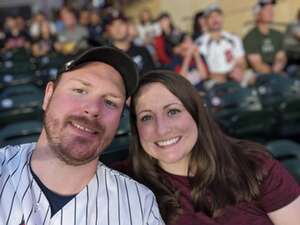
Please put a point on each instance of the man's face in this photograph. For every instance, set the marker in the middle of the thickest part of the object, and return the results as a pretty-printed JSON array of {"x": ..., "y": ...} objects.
[
  {"x": 68, "y": 18},
  {"x": 215, "y": 21},
  {"x": 118, "y": 30},
  {"x": 82, "y": 112},
  {"x": 266, "y": 13}
]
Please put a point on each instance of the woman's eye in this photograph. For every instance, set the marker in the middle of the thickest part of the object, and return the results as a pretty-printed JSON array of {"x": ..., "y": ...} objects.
[
  {"x": 173, "y": 112},
  {"x": 145, "y": 118}
]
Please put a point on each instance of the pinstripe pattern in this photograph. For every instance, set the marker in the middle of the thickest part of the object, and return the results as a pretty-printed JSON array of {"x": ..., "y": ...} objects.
[{"x": 110, "y": 198}]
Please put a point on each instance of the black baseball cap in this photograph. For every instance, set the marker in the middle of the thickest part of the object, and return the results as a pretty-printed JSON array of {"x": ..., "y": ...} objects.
[
  {"x": 114, "y": 57},
  {"x": 116, "y": 15},
  {"x": 266, "y": 2}
]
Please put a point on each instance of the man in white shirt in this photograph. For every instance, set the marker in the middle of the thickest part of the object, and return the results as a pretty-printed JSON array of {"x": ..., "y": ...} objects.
[
  {"x": 222, "y": 51},
  {"x": 59, "y": 180}
]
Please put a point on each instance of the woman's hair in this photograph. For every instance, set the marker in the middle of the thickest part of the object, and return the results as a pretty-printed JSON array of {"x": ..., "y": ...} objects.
[
  {"x": 197, "y": 29},
  {"x": 226, "y": 168}
]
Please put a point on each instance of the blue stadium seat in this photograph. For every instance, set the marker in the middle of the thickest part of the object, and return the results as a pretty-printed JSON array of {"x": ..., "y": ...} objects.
[
  {"x": 19, "y": 103},
  {"x": 284, "y": 149},
  {"x": 293, "y": 166},
  {"x": 239, "y": 111},
  {"x": 20, "y": 132}
]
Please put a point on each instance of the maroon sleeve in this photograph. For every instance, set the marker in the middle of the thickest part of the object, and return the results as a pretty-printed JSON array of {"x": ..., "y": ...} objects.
[{"x": 278, "y": 188}]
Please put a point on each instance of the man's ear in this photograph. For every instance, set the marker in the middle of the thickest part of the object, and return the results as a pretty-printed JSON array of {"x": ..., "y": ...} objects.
[{"x": 48, "y": 94}]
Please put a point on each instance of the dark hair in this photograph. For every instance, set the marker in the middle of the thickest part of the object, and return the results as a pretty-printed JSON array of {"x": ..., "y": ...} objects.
[
  {"x": 141, "y": 19},
  {"x": 197, "y": 29},
  {"x": 70, "y": 10},
  {"x": 227, "y": 168},
  {"x": 163, "y": 15}
]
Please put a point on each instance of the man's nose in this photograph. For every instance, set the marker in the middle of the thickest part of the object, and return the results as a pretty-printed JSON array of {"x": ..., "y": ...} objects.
[{"x": 93, "y": 108}]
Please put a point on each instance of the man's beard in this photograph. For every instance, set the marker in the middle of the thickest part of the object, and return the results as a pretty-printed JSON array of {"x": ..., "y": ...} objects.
[{"x": 61, "y": 144}]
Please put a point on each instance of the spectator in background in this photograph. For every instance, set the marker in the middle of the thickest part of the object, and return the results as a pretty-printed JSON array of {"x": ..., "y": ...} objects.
[
  {"x": 164, "y": 43},
  {"x": 84, "y": 17},
  {"x": 38, "y": 24},
  {"x": 199, "y": 25},
  {"x": 116, "y": 25},
  {"x": 58, "y": 23},
  {"x": 296, "y": 27},
  {"x": 292, "y": 43},
  {"x": 15, "y": 33},
  {"x": 223, "y": 51},
  {"x": 2, "y": 36},
  {"x": 43, "y": 35},
  {"x": 147, "y": 28},
  {"x": 187, "y": 61},
  {"x": 95, "y": 28},
  {"x": 74, "y": 37},
  {"x": 264, "y": 45},
  {"x": 21, "y": 23},
  {"x": 134, "y": 34},
  {"x": 43, "y": 43}
]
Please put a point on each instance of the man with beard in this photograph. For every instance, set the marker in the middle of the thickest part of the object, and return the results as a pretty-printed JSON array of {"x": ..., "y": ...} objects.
[
  {"x": 59, "y": 179},
  {"x": 263, "y": 44},
  {"x": 222, "y": 51}
]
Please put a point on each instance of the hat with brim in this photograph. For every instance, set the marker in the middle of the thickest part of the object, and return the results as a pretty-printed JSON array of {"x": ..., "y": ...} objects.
[
  {"x": 262, "y": 3},
  {"x": 110, "y": 18},
  {"x": 114, "y": 57},
  {"x": 212, "y": 8}
]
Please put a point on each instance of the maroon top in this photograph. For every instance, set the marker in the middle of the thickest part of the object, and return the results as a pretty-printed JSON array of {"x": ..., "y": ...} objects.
[{"x": 277, "y": 190}]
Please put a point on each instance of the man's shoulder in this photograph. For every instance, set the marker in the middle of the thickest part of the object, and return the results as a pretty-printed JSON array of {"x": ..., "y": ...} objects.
[
  {"x": 11, "y": 157},
  {"x": 251, "y": 36},
  {"x": 252, "y": 32},
  {"x": 230, "y": 35},
  {"x": 202, "y": 42},
  {"x": 14, "y": 150},
  {"x": 276, "y": 33},
  {"x": 136, "y": 49},
  {"x": 203, "y": 38}
]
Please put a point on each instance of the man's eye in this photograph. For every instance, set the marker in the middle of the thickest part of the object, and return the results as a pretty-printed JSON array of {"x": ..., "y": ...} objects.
[
  {"x": 110, "y": 103},
  {"x": 79, "y": 91},
  {"x": 145, "y": 118},
  {"x": 173, "y": 112}
]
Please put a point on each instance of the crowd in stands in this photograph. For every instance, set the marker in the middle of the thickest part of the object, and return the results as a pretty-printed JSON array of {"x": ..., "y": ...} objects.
[{"x": 207, "y": 56}]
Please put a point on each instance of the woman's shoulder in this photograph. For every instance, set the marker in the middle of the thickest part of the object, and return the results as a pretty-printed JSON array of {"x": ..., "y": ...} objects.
[{"x": 278, "y": 187}]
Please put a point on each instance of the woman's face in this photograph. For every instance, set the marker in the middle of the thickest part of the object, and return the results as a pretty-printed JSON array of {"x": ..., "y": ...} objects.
[
  {"x": 165, "y": 23},
  {"x": 166, "y": 129}
]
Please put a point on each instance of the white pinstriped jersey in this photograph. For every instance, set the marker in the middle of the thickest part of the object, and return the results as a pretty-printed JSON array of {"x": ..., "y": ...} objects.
[{"x": 110, "y": 198}]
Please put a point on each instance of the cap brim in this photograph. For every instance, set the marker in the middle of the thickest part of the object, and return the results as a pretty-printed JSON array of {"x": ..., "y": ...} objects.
[
  {"x": 114, "y": 57},
  {"x": 207, "y": 13},
  {"x": 272, "y": 2}
]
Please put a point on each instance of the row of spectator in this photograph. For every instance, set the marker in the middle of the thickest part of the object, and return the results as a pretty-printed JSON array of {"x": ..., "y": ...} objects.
[{"x": 210, "y": 53}]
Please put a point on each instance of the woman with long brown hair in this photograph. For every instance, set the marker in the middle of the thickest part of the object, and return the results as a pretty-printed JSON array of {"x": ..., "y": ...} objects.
[{"x": 198, "y": 174}]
